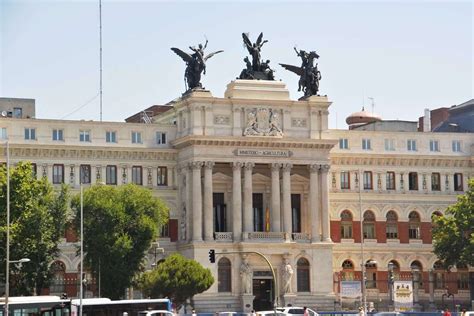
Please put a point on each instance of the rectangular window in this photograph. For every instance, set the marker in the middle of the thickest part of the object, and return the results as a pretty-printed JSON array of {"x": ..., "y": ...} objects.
[
  {"x": 463, "y": 280},
  {"x": 411, "y": 145},
  {"x": 165, "y": 230},
  {"x": 366, "y": 144},
  {"x": 413, "y": 181},
  {"x": 110, "y": 137},
  {"x": 392, "y": 231},
  {"x": 17, "y": 112},
  {"x": 3, "y": 133},
  {"x": 458, "y": 183},
  {"x": 456, "y": 146},
  {"x": 137, "y": 175},
  {"x": 136, "y": 137},
  {"x": 85, "y": 174},
  {"x": 345, "y": 180},
  {"x": 369, "y": 230},
  {"x": 111, "y": 175},
  {"x": 58, "y": 134},
  {"x": 58, "y": 174},
  {"x": 30, "y": 133},
  {"x": 390, "y": 180},
  {"x": 435, "y": 182},
  {"x": 162, "y": 176},
  {"x": 343, "y": 143},
  {"x": 434, "y": 145},
  {"x": 414, "y": 230},
  {"x": 160, "y": 138},
  {"x": 368, "y": 180},
  {"x": 346, "y": 230},
  {"x": 84, "y": 136},
  {"x": 389, "y": 144}
]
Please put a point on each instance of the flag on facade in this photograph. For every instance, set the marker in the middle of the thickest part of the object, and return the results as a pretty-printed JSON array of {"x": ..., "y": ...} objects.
[{"x": 267, "y": 220}]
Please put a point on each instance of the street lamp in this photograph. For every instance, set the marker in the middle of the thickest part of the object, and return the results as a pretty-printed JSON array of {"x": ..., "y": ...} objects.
[
  {"x": 391, "y": 266},
  {"x": 7, "y": 285},
  {"x": 81, "y": 294}
]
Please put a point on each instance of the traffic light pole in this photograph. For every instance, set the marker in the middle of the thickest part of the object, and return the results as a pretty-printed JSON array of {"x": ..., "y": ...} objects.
[{"x": 275, "y": 283}]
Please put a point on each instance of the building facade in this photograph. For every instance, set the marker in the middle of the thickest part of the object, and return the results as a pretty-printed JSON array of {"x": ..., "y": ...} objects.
[{"x": 257, "y": 172}]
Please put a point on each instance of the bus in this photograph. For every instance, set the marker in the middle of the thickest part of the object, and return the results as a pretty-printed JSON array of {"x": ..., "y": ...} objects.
[
  {"x": 107, "y": 307},
  {"x": 36, "y": 306},
  {"x": 56, "y": 306}
]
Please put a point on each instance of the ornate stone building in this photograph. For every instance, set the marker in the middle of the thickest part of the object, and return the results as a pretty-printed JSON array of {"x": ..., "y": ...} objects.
[{"x": 257, "y": 172}]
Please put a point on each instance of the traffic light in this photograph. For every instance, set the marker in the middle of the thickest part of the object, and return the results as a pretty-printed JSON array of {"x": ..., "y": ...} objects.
[{"x": 212, "y": 255}]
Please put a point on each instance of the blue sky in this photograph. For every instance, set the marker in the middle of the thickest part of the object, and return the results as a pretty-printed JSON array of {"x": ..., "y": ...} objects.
[{"x": 407, "y": 55}]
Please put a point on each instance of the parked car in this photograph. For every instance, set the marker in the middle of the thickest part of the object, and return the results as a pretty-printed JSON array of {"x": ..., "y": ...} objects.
[
  {"x": 156, "y": 312},
  {"x": 296, "y": 311},
  {"x": 270, "y": 313},
  {"x": 387, "y": 314}
]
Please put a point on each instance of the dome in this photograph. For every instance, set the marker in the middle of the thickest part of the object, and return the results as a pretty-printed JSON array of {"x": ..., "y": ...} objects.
[{"x": 362, "y": 117}]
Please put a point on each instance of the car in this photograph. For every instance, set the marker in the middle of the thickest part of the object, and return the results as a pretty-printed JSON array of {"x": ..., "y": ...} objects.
[
  {"x": 156, "y": 312},
  {"x": 296, "y": 311},
  {"x": 387, "y": 314},
  {"x": 270, "y": 313}
]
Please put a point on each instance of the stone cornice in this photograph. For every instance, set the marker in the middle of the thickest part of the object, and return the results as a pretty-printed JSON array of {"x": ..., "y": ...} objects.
[
  {"x": 37, "y": 152},
  {"x": 399, "y": 160},
  {"x": 265, "y": 142}
]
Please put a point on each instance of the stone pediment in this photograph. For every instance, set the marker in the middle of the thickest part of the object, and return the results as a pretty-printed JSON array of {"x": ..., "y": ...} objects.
[
  {"x": 221, "y": 177},
  {"x": 258, "y": 177},
  {"x": 298, "y": 178}
]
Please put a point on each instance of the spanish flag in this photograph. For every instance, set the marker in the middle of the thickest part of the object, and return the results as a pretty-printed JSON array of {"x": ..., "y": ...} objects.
[{"x": 267, "y": 220}]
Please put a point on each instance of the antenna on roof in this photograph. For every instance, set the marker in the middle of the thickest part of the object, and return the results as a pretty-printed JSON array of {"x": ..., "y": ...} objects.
[{"x": 373, "y": 103}]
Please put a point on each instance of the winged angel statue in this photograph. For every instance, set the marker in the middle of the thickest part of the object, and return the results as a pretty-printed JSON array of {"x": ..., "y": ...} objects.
[
  {"x": 308, "y": 72},
  {"x": 195, "y": 64},
  {"x": 258, "y": 69}
]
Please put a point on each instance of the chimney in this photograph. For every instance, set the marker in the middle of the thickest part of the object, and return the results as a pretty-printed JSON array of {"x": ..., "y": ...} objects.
[{"x": 427, "y": 121}]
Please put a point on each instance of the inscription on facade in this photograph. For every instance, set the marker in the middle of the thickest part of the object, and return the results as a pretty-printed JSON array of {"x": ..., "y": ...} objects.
[{"x": 263, "y": 153}]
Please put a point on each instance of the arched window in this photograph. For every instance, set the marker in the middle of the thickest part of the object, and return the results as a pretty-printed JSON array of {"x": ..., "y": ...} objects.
[
  {"x": 224, "y": 277},
  {"x": 302, "y": 275},
  {"x": 392, "y": 225},
  {"x": 347, "y": 273},
  {"x": 58, "y": 270},
  {"x": 369, "y": 225},
  {"x": 439, "y": 275},
  {"x": 346, "y": 224},
  {"x": 416, "y": 267},
  {"x": 414, "y": 225},
  {"x": 371, "y": 273}
]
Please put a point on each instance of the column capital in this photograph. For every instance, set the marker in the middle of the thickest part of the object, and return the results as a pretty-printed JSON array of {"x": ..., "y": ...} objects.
[
  {"x": 313, "y": 168},
  {"x": 275, "y": 166},
  {"x": 325, "y": 168},
  {"x": 249, "y": 165},
  {"x": 287, "y": 167},
  {"x": 236, "y": 165},
  {"x": 196, "y": 165},
  {"x": 209, "y": 164}
]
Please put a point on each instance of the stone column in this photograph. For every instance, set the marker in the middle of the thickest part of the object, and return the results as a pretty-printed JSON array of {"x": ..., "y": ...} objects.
[
  {"x": 248, "y": 199},
  {"x": 286, "y": 194},
  {"x": 208, "y": 205},
  {"x": 313, "y": 202},
  {"x": 189, "y": 203},
  {"x": 431, "y": 288},
  {"x": 197, "y": 201},
  {"x": 275, "y": 215},
  {"x": 325, "y": 202},
  {"x": 237, "y": 201}
]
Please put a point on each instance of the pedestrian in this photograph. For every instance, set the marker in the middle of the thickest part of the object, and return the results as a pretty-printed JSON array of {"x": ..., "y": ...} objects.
[
  {"x": 446, "y": 312},
  {"x": 253, "y": 313},
  {"x": 305, "y": 311},
  {"x": 463, "y": 312},
  {"x": 193, "y": 313},
  {"x": 361, "y": 311}
]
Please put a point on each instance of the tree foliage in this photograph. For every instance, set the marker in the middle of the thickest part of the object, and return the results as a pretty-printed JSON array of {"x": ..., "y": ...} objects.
[
  {"x": 453, "y": 235},
  {"x": 177, "y": 278},
  {"x": 38, "y": 215},
  {"x": 119, "y": 225}
]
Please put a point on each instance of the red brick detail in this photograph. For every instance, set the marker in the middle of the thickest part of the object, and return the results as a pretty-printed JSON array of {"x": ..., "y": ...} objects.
[
  {"x": 382, "y": 281},
  {"x": 380, "y": 232},
  {"x": 452, "y": 282},
  {"x": 70, "y": 234},
  {"x": 173, "y": 229},
  {"x": 403, "y": 232},
  {"x": 425, "y": 276},
  {"x": 336, "y": 231},
  {"x": 356, "y": 231},
  {"x": 71, "y": 286},
  {"x": 425, "y": 228}
]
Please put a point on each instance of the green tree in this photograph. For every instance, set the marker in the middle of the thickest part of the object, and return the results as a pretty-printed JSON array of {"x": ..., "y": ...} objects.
[
  {"x": 38, "y": 215},
  {"x": 119, "y": 225},
  {"x": 177, "y": 278},
  {"x": 453, "y": 235}
]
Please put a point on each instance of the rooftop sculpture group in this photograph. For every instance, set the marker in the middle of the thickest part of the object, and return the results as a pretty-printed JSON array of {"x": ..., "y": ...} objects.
[{"x": 257, "y": 69}]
